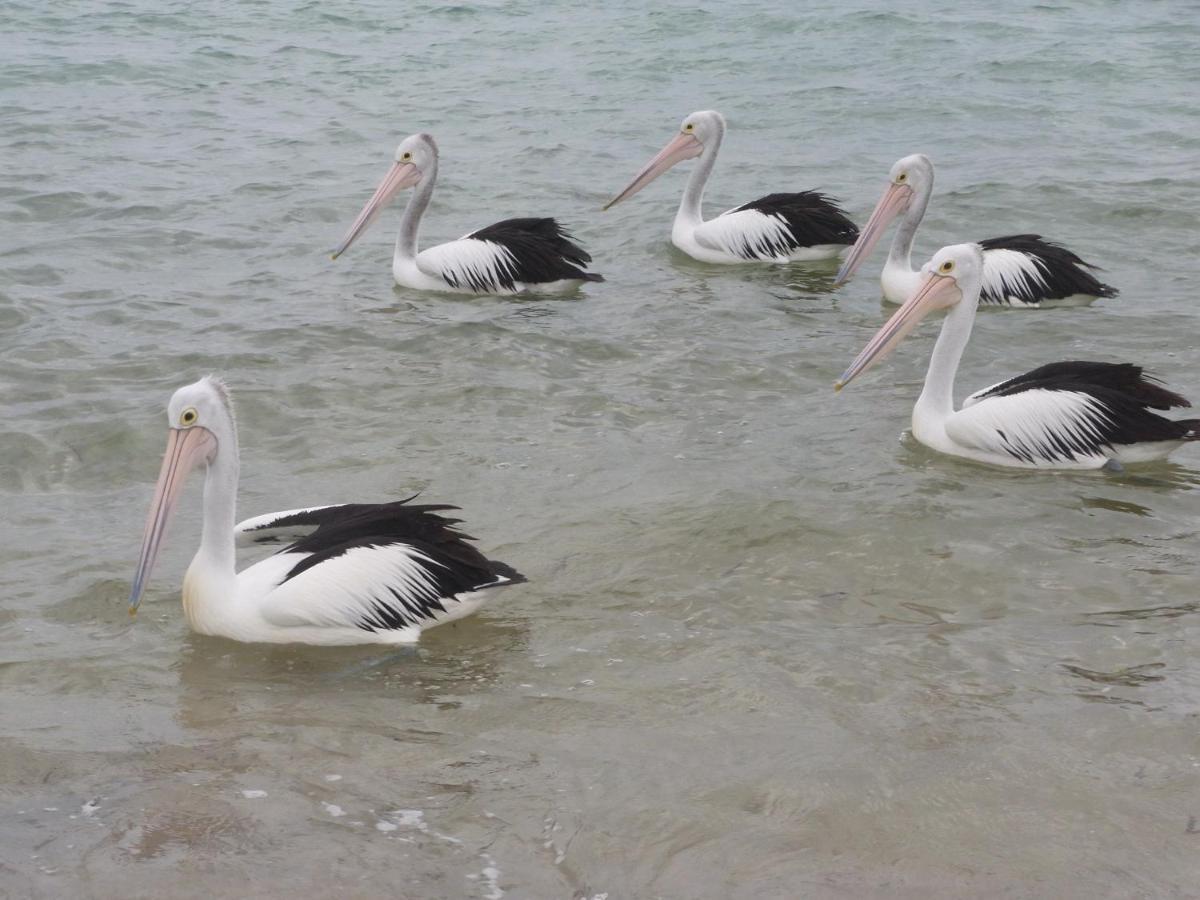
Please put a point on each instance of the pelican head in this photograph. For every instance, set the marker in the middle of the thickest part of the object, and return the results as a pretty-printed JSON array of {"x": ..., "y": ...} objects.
[
  {"x": 415, "y": 157},
  {"x": 952, "y": 276},
  {"x": 911, "y": 178},
  {"x": 697, "y": 132},
  {"x": 201, "y": 424}
]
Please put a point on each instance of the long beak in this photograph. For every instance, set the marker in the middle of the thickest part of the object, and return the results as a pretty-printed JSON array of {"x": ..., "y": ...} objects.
[
  {"x": 186, "y": 449},
  {"x": 893, "y": 202},
  {"x": 400, "y": 175},
  {"x": 936, "y": 292},
  {"x": 681, "y": 147}
]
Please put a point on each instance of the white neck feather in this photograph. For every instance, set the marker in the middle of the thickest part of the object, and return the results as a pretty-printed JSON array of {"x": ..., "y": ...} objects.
[
  {"x": 690, "y": 206},
  {"x": 410, "y": 221},
  {"x": 900, "y": 254},
  {"x": 936, "y": 402},
  {"x": 212, "y": 573}
]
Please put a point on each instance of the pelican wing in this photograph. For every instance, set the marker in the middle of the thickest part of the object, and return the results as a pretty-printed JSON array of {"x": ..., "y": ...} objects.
[
  {"x": 1039, "y": 427},
  {"x": 773, "y": 227},
  {"x": 379, "y": 566},
  {"x": 1126, "y": 379},
  {"x": 286, "y": 526},
  {"x": 972, "y": 399},
  {"x": 482, "y": 266},
  {"x": 1027, "y": 270},
  {"x": 373, "y": 587},
  {"x": 1069, "y": 412},
  {"x": 508, "y": 254}
]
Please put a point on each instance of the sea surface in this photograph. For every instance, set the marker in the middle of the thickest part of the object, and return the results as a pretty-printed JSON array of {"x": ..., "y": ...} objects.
[{"x": 770, "y": 647}]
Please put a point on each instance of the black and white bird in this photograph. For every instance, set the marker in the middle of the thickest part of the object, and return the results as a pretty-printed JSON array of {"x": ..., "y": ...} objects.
[
  {"x": 1019, "y": 270},
  {"x": 777, "y": 228},
  {"x": 374, "y": 573},
  {"x": 535, "y": 255},
  {"x": 1066, "y": 415}
]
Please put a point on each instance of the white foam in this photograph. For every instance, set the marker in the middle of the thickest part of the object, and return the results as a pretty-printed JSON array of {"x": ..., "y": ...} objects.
[
  {"x": 491, "y": 878},
  {"x": 409, "y": 818}
]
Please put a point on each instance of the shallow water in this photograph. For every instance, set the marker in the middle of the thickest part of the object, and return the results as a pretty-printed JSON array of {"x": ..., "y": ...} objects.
[{"x": 770, "y": 647}]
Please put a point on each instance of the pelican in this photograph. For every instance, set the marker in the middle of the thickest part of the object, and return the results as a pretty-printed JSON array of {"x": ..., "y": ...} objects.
[
  {"x": 357, "y": 573},
  {"x": 1065, "y": 415},
  {"x": 777, "y": 228},
  {"x": 511, "y": 257},
  {"x": 1019, "y": 270}
]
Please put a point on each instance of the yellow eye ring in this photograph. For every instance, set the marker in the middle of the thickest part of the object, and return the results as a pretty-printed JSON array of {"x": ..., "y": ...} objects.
[
  {"x": 189, "y": 416},
  {"x": 901, "y": 178},
  {"x": 406, "y": 156},
  {"x": 946, "y": 267},
  {"x": 689, "y": 127}
]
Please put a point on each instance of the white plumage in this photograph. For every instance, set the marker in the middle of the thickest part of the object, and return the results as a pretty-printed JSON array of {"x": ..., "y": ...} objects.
[
  {"x": 777, "y": 228},
  {"x": 365, "y": 587},
  {"x": 1066, "y": 415},
  {"x": 508, "y": 257},
  {"x": 1012, "y": 275},
  {"x": 749, "y": 234},
  {"x": 351, "y": 574},
  {"x": 1044, "y": 428},
  {"x": 1019, "y": 270},
  {"x": 468, "y": 262}
]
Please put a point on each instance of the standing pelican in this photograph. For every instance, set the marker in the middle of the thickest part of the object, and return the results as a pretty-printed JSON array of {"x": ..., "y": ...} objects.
[
  {"x": 358, "y": 573},
  {"x": 1066, "y": 415},
  {"x": 510, "y": 257},
  {"x": 1022, "y": 270},
  {"x": 777, "y": 228}
]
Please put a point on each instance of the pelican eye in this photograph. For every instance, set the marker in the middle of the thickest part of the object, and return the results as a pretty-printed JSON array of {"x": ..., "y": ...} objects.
[
  {"x": 901, "y": 178},
  {"x": 689, "y": 127},
  {"x": 189, "y": 416},
  {"x": 947, "y": 267},
  {"x": 406, "y": 157}
]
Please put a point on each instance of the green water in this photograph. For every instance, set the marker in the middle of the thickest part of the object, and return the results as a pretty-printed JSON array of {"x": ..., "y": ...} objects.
[{"x": 769, "y": 647}]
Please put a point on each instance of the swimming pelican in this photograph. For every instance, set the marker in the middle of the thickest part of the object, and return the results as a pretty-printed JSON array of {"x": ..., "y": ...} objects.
[
  {"x": 1065, "y": 415},
  {"x": 510, "y": 257},
  {"x": 1021, "y": 270},
  {"x": 357, "y": 573},
  {"x": 777, "y": 228}
]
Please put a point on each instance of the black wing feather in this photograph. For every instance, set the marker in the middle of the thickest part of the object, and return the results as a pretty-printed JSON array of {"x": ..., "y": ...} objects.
[
  {"x": 1065, "y": 274},
  {"x": 265, "y": 533},
  {"x": 1125, "y": 396},
  {"x": 458, "y": 566},
  {"x": 1126, "y": 379},
  {"x": 812, "y": 218},
  {"x": 542, "y": 251}
]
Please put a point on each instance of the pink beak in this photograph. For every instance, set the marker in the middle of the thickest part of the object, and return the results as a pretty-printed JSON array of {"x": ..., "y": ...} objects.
[
  {"x": 682, "y": 146},
  {"x": 893, "y": 202},
  {"x": 186, "y": 449},
  {"x": 400, "y": 175},
  {"x": 935, "y": 292}
]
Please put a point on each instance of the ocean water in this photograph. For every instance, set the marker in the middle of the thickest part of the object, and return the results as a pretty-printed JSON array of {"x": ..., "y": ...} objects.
[{"x": 770, "y": 647}]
